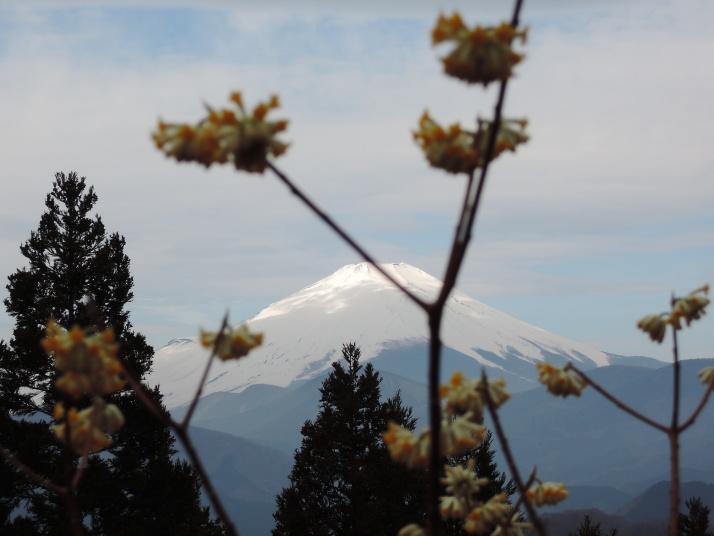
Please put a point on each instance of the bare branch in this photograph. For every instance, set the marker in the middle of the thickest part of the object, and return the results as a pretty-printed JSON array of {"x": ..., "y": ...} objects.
[
  {"x": 343, "y": 234},
  {"x": 515, "y": 474}
]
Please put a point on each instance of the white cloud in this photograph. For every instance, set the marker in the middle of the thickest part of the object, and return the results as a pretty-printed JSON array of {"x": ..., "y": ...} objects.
[{"x": 621, "y": 122}]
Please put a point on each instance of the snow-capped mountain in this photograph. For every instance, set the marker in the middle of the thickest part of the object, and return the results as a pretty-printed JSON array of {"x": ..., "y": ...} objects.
[{"x": 304, "y": 334}]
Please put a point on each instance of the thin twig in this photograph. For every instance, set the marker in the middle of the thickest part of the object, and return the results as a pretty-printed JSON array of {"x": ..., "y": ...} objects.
[
  {"x": 624, "y": 407},
  {"x": 474, "y": 195},
  {"x": 181, "y": 432},
  {"x": 673, "y": 434},
  {"x": 199, "y": 389},
  {"x": 434, "y": 474},
  {"x": 690, "y": 421},
  {"x": 462, "y": 237},
  {"x": 343, "y": 234},
  {"x": 510, "y": 460},
  {"x": 29, "y": 473}
]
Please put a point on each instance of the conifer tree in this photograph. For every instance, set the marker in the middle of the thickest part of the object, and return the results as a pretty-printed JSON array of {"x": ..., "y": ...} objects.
[
  {"x": 589, "y": 528},
  {"x": 134, "y": 487},
  {"x": 696, "y": 521},
  {"x": 343, "y": 481}
]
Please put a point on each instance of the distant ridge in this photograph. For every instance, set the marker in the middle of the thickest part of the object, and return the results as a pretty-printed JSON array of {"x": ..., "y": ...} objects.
[{"x": 304, "y": 334}]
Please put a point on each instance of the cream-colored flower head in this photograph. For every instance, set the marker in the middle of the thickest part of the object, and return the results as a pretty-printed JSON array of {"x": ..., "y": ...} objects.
[
  {"x": 460, "y": 434},
  {"x": 547, "y": 493},
  {"x": 235, "y": 136},
  {"x": 690, "y": 307},
  {"x": 407, "y": 447},
  {"x": 707, "y": 376},
  {"x": 87, "y": 429},
  {"x": 412, "y": 530},
  {"x": 232, "y": 343},
  {"x": 560, "y": 381},
  {"x": 466, "y": 395},
  {"x": 483, "y": 518},
  {"x": 481, "y": 55},
  {"x": 88, "y": 362},
  {"x": 459, "y": 151}
]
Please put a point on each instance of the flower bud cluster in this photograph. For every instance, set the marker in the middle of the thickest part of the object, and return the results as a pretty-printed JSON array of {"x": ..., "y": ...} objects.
[
  {"x": 88, "y": 362},
  {"x": 226, "y": 136},
  {"x": 483, "y": 518},
  {"x": 87, "y": 430},
  {"x": 462, "y": 484},
  {"x": 89, "y": 365},
  {"x": 412, "y": 530},
  {"x": 461, "y": 428},
  {"x": 707, "y": 376},
  {"x": 459, "y": 151},
  {"x": 481, "y": 55},
  {"x": 547, "y": 493},
  {"x": 690, "y": 307},
  {"x": 463, "y": 395},
  {"x": 231, "y": 343},
  {"x": 561, "y": 381}
]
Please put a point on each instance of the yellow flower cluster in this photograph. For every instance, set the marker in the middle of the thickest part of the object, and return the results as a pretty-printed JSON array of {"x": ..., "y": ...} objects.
[
  {"x": 655, "y": 326},
  {"x": 560, "y": 381},
  {"x": 232, "y": 343},
  {"x": 707, "y": 376},
  {"x": 690, "y": 307},
  {"x": 407, "y": 447},
  {"x": 464, "y": 394},
  {"x": 461, "y": 483},
  {"x": 481, "y": 55},
  {"x": 461, "y": 429},
  {"x": 89, "y": 365},
  {"x": 412, "y": 530},
  {"x": 458, "y": 151},
  {"x": 547, "y": 493},
  {"x": 483, "y": 518},
  {"x": 87, "y": 429},
  {"x": 88, "y": 362},
  {"x": 243, "y": 139},
  {"x": 457, "y": 435}
]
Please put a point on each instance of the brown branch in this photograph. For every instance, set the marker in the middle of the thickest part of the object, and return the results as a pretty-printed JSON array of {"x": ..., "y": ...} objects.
[
  {"x": 29, "y": 473},
  {"x": 474, "y": 195},
  {"x": 506, "y": 449},
  {"x": 343, "y": 234},
  {"x": 181, "y": 432},
  {"x": 199, "y": 389},
  {"x": 636, "y": 414},
  {"x": 435, "y": 464},
  {"x": 673, "y": 435},
  {"x": 703, "y": 402}
]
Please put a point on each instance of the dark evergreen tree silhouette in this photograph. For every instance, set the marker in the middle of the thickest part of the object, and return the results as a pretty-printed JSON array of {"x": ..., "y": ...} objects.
[
  {"x": 696, "y": 521},
  {"x": 343, "y": 481},
  {"x": 134, "y": 487},
  {"x": 589, "y": 528}
]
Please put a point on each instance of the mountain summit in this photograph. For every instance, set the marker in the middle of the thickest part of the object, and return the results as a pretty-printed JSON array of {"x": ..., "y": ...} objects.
[{"x": 304, "y": 334}]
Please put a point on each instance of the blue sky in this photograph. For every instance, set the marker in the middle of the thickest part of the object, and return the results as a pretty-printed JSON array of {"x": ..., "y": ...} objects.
[{"x": 591, "y": 225}]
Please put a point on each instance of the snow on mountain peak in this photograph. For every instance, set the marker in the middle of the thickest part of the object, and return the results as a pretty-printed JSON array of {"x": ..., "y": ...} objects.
[{"x": 304, "y": 333}]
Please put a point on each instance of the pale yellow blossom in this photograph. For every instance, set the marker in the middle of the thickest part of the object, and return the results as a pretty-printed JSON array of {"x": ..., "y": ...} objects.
[
  {"x": 547, "y": 493},
  {"x": 483, "y": 518},
  {"x": 232, "y": 343},
  {"x": 560, "y": 381},
  {"x": 707, "y": 376},
  {"x": 480, "y": 55}
]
